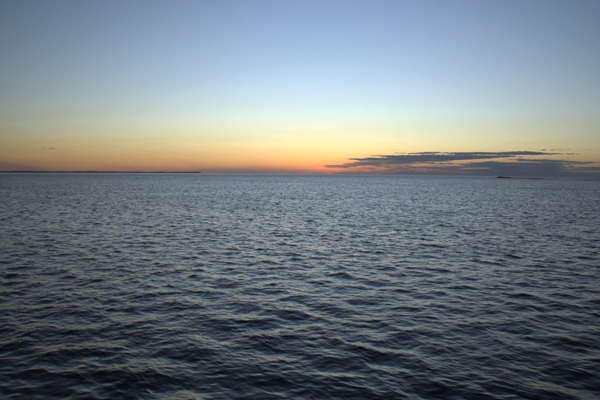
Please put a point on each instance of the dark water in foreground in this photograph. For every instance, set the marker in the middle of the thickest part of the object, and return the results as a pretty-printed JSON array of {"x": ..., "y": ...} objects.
[{"x": 320, "y": 287}]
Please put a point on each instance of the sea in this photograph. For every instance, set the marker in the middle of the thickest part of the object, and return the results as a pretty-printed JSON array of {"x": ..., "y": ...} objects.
[{"x": 242, "y": 286}]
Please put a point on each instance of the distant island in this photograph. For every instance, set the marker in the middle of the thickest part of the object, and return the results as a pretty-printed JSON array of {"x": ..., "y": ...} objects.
[{"x": 105, "y": 172}]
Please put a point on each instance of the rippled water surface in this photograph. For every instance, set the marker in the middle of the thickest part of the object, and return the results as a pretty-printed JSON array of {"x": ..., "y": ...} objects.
[{"x": 206, "y": 286}]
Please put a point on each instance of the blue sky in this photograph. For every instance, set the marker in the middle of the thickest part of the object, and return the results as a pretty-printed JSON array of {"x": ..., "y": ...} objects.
[{"x": 293, "y": 85}]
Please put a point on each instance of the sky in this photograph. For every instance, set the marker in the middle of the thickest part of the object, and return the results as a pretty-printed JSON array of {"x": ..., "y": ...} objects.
[{"x": 461, "y": 87}]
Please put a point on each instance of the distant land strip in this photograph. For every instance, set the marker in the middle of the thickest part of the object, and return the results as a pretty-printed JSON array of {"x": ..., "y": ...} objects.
[{"x": 104, "y": 172}]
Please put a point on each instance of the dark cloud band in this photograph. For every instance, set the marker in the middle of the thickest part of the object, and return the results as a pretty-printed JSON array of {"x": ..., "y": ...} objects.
[
  {"x": 517, "y": 163},
  {"x": 433, "y": 157}
]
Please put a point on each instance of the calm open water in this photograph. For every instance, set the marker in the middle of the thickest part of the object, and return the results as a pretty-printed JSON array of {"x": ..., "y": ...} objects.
[{"x": 158, "y": 286}]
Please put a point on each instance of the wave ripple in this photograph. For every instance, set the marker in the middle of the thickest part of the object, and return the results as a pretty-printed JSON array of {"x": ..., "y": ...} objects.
[{"x": 173, "y": 286}]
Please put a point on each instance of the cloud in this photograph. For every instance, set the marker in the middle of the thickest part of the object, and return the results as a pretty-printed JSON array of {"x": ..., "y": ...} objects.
[
  {"x": 508, "y": 163},
  {"x": 432, "y": 157}
]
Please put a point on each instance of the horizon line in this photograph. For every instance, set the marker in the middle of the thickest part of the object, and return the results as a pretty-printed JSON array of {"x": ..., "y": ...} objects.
[{"x": 581, "y": 176}]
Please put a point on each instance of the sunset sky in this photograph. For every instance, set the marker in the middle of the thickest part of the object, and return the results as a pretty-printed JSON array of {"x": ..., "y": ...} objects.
[{"x": 301, "y": 86}]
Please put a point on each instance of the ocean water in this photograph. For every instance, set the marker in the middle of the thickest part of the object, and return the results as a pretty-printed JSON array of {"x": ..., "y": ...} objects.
[{"x": 200, "y": 286}]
